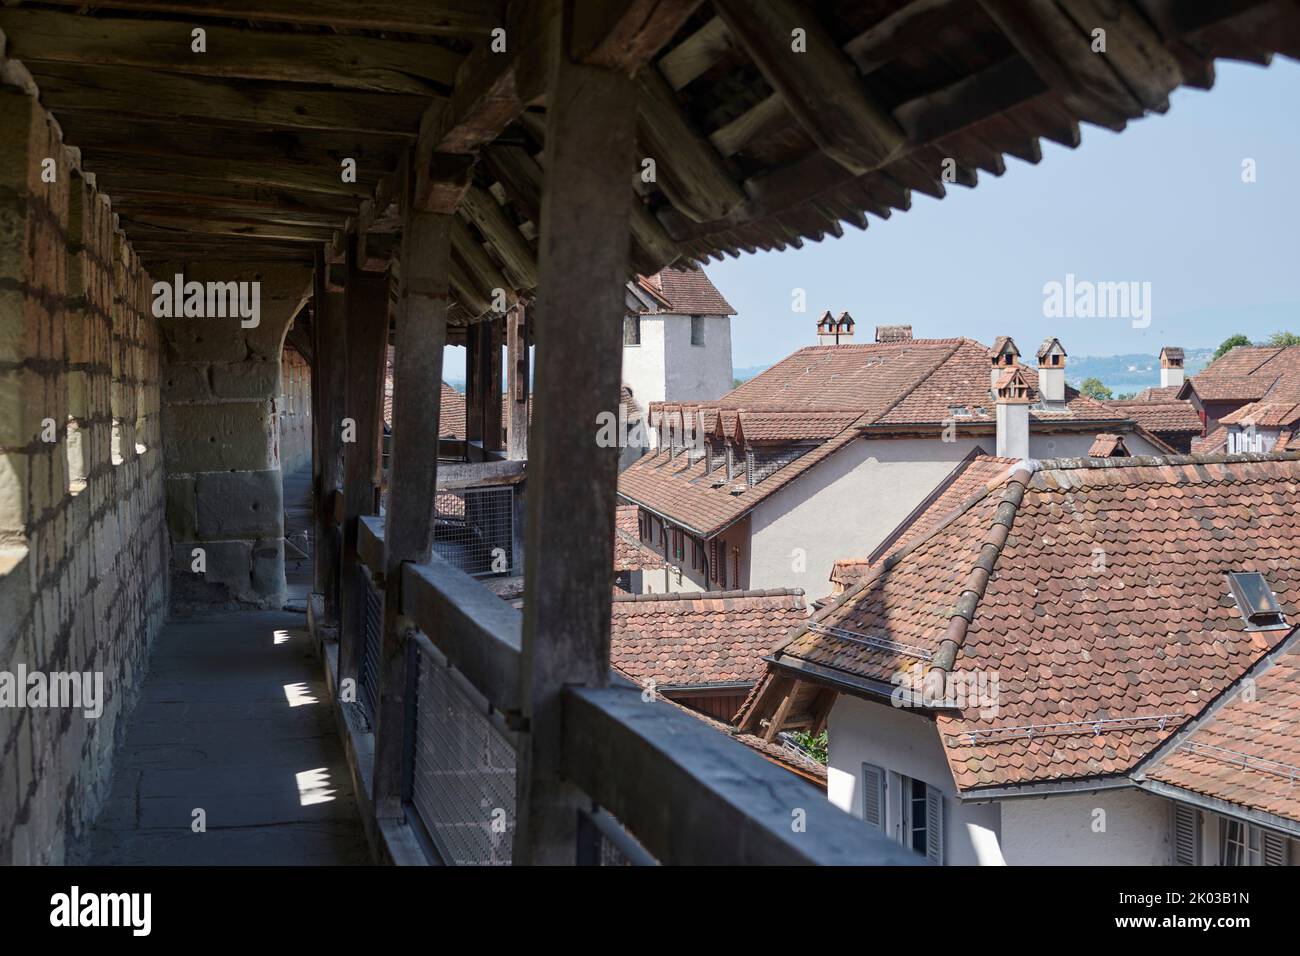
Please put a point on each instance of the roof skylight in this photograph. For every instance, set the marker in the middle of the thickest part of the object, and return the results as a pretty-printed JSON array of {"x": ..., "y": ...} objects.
[{"x": 1255, "y": 600}]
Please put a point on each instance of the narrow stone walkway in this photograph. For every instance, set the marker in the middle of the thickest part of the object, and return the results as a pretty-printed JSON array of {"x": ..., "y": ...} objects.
[{"x": 233, "y": 721}]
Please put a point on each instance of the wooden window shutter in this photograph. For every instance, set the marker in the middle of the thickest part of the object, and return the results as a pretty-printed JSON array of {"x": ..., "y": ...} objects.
[
  {"x": 933, "y": 825},
  {"x": 1187, "y": 835},
  {"x": 1274, "y": 845},
  {"x": 713, "y": 560},
  {"x": 873, "y": 796}
]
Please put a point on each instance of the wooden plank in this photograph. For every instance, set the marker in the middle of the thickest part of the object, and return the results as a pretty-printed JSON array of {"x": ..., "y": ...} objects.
[
  {"x": 626, "y": 34},
  {"x": 689, "y": 169},
  {"x": 330, "y": 321},
  {"x": 693, "y": 796},
  {"x": 162, "y": 226},
  {"x": 782, "y": 710},
  {"x": 468, "y": 295},
  {"x": 370, "y": 542},
  {"x": 497, "y": 227},
  {"x": 519, "y": 175},
  {"x": 366, "y": 304},
  {"x": 821, "y": 86},
  {"x": 408, "y": 535},
  {"x": 375, "y": 154},
  {"x": 483, "y": 271},
  {"x": 517, "y": 382},
  {"x": 206, "y": 176},
  {"x": 475, "y": 385},
  {"x": 494, "y": 331},
  {"x": 444, "y": 17},
  {"x": 696, "y": 54},
  {"x": 346, "y": 62},
  {"x": 285, "y": 210},
  {"x": 583, "y": 256},
  {"x": 441, "y": 181},
  {"x": 907, "y": 27},
  {"x": 234, "y": 103},
  {"x": 767, "y": 116}
]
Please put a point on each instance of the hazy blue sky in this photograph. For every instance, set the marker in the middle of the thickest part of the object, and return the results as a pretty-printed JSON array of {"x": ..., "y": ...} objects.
[{"x": 1162, "y": 202}]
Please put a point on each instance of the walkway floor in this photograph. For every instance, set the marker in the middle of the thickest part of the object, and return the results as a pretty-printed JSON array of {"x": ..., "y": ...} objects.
[{"x": 232, "y": 721}]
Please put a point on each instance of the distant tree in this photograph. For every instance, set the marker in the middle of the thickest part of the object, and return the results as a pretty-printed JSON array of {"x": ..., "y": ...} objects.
[
  {"x": 816, "y": 747},
  {"x": 1093, "y": 388},
  {"x": 1229, "y": 344},
  {"x": 1125, "y": 396},
  {"x": 737, "y": 382},
  {"x": 1280, "y": 340}
]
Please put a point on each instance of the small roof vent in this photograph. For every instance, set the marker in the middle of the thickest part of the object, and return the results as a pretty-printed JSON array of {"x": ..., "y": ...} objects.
[{"x": 1256, "y": 601}]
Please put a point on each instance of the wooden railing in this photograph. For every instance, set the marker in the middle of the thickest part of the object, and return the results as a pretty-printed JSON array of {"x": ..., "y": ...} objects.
[{"x": 687, "y": 793}]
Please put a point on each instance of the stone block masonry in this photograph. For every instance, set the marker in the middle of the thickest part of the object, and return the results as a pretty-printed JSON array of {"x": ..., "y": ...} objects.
[
  {"x": 222, "y": 417},
  {"x": 83, "y": 549}
]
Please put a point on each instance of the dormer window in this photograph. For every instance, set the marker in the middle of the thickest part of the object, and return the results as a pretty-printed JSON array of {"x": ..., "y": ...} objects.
[{"x": 1255, "y": 601}]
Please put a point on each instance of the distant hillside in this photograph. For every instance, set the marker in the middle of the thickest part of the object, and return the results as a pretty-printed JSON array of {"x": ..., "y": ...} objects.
[
  {"x": 745, "y": 374},
  {"x": 1128, "y": 373}
]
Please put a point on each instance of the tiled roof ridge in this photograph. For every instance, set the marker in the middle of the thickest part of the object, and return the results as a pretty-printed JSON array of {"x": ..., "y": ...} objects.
[
  {"x": 899, "y": 344},
  {"x": 977, "y": 581},
  {"x": 890, "y": 561},
  {"x": 1149, "y": 461},
  {"x": 710, "y": 595},
  {"x": 916, "y": 383}
]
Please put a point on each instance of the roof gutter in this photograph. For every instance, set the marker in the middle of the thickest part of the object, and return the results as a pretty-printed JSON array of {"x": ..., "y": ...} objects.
[{"x": 1222, "y": 807}]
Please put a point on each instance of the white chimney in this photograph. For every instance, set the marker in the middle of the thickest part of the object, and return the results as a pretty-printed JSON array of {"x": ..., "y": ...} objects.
[
  {"x": 1051, "y": 371},
  {"x": 1171, "y": 367},
  {"x": 1011, "y": 393},
  {"x": 1003, "y": 356}
]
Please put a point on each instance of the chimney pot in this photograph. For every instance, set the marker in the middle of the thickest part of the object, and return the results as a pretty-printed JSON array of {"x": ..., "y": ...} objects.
[
  {"x": 1171, "y": 366},
  {"x": 1011, "y": 392},
  {"x": 1051, "y": 371},
  {"x": 893, "y": 333}
]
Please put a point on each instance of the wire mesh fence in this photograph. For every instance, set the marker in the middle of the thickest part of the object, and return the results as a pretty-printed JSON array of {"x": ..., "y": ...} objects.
[
  {"x": 462, "y": 771},
  {"x": 372, "y": 627},
  {"x": 475, "y": 529}
]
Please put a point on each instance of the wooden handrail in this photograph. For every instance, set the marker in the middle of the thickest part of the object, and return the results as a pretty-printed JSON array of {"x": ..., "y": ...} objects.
[
  {"x": 482, "y": 473},
  {"x": 370, "y": 543},
  {"x": 477, "y": 631},
  {"x": 692, "y": 796}
]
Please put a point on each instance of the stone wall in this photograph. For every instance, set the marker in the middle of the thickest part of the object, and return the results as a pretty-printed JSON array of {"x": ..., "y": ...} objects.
[
  {"x": 220, "y": 386},
  {"x": 295, "y": 412},
  {"x": 82, "y": 544}
]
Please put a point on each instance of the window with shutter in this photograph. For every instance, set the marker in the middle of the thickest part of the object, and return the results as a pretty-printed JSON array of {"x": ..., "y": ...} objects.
[
  {"x": 933, "y": 825},
  {"x": 1187, "y": 835},
  {"x": 713, "y": 561},
  {"x": 873, "y": 796},
  {"x": 1274, "y": 849}
]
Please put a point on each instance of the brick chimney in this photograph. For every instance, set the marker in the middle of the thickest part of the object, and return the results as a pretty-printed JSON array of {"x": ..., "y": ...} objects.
[
  {"x": 834, "y": 331},
  {"x": 1171, "y": 367},
  {"x": 1011, "y": 393},
  {"x": 1003, "y": 355},
  {"x": 893, "y": 333},
  {"x": 1051, "y": 371}
]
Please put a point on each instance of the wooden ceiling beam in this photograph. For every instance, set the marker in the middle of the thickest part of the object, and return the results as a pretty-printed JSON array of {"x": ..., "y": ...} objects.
[
  {"x": 331, "y": 59},
  {"x": 485, "y": 273},
  {"x": 626, "y": 34},
  {"x": 375, "y": 154},
  {"x": 129, "y": 91},
  {"x": 132, "y": 208},
  {"x": 191, "y": 174},
  {"x": 820, "y": 85},
  {"x": 688, "y": 167},
  {"x": 906, "y": 28},
  {"x": 1136, "y": 73},
  {"x": 696, "y": 55},
  {"x": 495, "y": 224},
  {"x": 520, "y": 177},
  {"x": 472, "y": 18},
  {"x": 162, "y": 227}
]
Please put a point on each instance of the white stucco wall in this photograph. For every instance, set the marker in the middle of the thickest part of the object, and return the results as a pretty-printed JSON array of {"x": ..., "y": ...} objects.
[
  {"x": 697, "y": 373},
  {"x": 643, "y": 365},
  {"x": 843, "y": 508},
  {"x": 686, "y": 579},
  {"x": 1064, "y": 829},
  {"x": 904, "y": 742}
]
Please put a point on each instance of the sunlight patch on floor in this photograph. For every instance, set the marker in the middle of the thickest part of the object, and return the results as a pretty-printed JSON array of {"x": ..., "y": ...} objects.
[
  {"x": 299, "y": 694},
  {"x": 314, "y": 787}
]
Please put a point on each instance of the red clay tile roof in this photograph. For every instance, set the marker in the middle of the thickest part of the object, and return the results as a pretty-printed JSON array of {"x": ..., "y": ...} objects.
[
  {"x": 1161, "y": 416},
  {"x": 1108, "y": 446},
  {"x": 1249, "y": 373},
  {"x": 1247, "y": 749},
  {"x": 1157, "y": 393},
  {"x": 972, "y": 477},
  {"x": 1265, "y": 414},
  {"x": 1212, "y": 444},
  {"x": 710, "y": 637},
  {"x": 685, "y": 291},
  {"x": 630, "y": 553},
  {"x": 1148, "y": 636},
  {"x": 886, "y": 386}
]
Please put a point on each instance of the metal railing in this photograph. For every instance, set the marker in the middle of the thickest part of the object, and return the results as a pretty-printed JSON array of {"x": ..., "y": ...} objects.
[{"x": 372, "y": 632}]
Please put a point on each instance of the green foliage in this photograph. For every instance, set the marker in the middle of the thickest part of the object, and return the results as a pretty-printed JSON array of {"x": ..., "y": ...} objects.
[
  {"x": 816, "y": 747},
  {"x": 1125, "y": 396},
  {"x": 1229, "y": 344},
  {"x": 1093, "y": 388},
  {"x": 1281, "y": 340}
]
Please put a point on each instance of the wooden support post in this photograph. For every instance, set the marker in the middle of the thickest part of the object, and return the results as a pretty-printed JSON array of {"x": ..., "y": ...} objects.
[
  {"x": 494, "y": 334},
  {"x": 408, "y": 534},
  {"x": 474, "y": 385},
  {"x": 331, "y": 353},
  {"x": 518, "y": 387},
  {"x": 583, "y": 258},
  {"x": 366, "y": 301}
]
